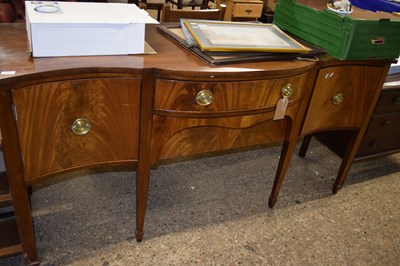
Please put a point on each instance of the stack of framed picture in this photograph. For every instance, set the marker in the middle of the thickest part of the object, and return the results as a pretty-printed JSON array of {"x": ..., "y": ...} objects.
[{"x": 223, "y": 42}]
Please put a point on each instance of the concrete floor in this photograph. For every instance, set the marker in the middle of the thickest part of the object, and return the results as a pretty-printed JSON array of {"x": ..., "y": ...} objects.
[{"x": 213, "y": 211}]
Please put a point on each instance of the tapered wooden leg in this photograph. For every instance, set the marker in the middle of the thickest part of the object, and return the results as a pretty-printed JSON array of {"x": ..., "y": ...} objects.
[
  {"x": 15, "y": 178},
  {"x": 304, "y": 145},
  {"x": 143, "y": 170},
  {"x": 284, "y": 161},
  {"x": 142, "y": 187},
  {"x": 347, "y": 160}
]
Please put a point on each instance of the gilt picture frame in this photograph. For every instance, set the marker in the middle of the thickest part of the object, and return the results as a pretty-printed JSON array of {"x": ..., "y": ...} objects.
[{"x": 241, "y": 36}]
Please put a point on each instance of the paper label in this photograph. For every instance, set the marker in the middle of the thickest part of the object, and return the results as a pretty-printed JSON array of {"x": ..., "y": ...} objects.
[{"x": 281, "y": 108}]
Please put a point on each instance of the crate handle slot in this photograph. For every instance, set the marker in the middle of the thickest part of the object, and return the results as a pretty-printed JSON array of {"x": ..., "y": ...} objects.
[{"x": 378, "y": 40}]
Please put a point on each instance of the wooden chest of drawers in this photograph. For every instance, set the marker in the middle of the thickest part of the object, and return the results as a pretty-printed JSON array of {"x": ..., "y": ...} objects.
[{"x": 383, "y": 134}]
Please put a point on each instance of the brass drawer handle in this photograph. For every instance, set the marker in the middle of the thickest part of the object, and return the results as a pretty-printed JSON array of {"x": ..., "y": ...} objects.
[
  {"x": 80, "y": 126},
  {"x": 338, "y": 98},
  {"x": 204, "y": 97},
  {"x": 287, "y": 91}
]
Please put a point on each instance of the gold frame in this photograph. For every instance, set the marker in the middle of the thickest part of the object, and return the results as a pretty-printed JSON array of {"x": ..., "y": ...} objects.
[{"x": 229, "y": 36}]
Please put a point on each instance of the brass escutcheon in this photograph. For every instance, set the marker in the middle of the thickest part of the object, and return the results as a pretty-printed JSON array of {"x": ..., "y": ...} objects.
[
  {"x": 287, "y": 91},
  {"x": 80, "y": 126},
  {"x": 338, "y": 98},
  {"x": 204, "y": 97}
]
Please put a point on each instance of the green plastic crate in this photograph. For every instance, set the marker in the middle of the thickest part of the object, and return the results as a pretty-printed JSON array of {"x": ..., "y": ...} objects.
[{"x": 343, "y": 37}]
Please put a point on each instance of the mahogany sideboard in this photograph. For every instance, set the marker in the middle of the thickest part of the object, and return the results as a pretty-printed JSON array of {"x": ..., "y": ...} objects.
[{"x": 66, "y": 113}]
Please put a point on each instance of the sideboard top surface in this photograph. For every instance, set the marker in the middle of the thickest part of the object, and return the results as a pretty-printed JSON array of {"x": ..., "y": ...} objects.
[{"x": 170, "y": 58}]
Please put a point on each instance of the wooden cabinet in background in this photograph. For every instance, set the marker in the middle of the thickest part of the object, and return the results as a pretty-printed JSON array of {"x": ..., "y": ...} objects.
[
  {"x": 383, "y": 134},
  {"x": 243, "y": 10}
]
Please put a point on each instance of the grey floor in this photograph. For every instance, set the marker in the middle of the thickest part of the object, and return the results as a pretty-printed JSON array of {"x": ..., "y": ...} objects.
[{"x": 213, "y": 211}]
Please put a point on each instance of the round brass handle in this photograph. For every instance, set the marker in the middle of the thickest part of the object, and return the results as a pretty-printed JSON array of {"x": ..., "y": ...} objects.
[
  {"x": 287, "y": 91},
  {"x": 338, "y": 98},
  {"x": 80, "y": 126},
  {"x": 204, "y": 97}
]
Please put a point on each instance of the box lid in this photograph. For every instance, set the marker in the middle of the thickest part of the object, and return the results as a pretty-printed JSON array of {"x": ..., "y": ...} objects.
[{"x": 80, "y": 12}]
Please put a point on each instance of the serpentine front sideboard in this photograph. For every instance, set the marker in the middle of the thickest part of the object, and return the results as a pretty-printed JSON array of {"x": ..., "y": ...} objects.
[{"x": 66, "y": 113}]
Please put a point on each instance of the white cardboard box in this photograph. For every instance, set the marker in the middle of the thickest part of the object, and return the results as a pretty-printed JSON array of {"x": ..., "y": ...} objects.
[{"x": 78, "y": 28}]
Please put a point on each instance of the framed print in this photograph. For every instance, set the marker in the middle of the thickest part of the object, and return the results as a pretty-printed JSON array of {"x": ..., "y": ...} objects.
[
  {"x": 175, "y": 33},
  {"x": 241, "y": 36}
]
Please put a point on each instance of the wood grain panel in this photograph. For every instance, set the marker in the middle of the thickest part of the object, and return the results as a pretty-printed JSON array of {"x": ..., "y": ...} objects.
[
  {"x": 47, "y": 111},
  {"x": 176, "y": 137},
  {"x": 180, "y": 96},
  {"x": 200, "y": 140},
  {"x": 358, "y": 85}
]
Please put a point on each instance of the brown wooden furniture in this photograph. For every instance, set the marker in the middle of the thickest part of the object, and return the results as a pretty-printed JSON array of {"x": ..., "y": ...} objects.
[
  {"x": 202, "y": 4},
  {"x": 174, "y": 15},
  {"x": 66, "y": 113},
  {"x": 383, "y": 133},
  {"x": 152, "y": 4},
  {"x": 379, "y": 134},
  {"x": 343, "y": 100},
  {"x": 9, "y": 241},
  {"x": 141, "y": 109},
  {"x": 243, "y": 10}
]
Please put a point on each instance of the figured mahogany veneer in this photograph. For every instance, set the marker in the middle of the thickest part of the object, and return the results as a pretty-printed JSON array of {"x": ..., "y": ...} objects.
[
  {"x": 340, "y": 122},
  {"x": 240, "y": 115},
  {"x": 46, "y": 112},
  {"x": 143, "y": 109},
  {"x": 358, "y": 86}
]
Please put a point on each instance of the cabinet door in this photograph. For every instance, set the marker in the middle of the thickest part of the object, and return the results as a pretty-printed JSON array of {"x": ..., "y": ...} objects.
[
  {"x": 50, "y": 141},
  {"x": 342, "y": 97}
]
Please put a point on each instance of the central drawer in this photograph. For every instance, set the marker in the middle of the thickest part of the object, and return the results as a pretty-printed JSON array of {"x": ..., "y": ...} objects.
[
  {"x": 229, "y": 115},
  {"x": 222, "y": 97}
]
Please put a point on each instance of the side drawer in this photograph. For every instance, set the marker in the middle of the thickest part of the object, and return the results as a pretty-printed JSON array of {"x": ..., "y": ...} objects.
[
  {"x": 180, "y": 96},
  {"x": 382, "y": 135},
  {"x": 53, "y": 117},
  {"x": 341, "y": 98}
]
